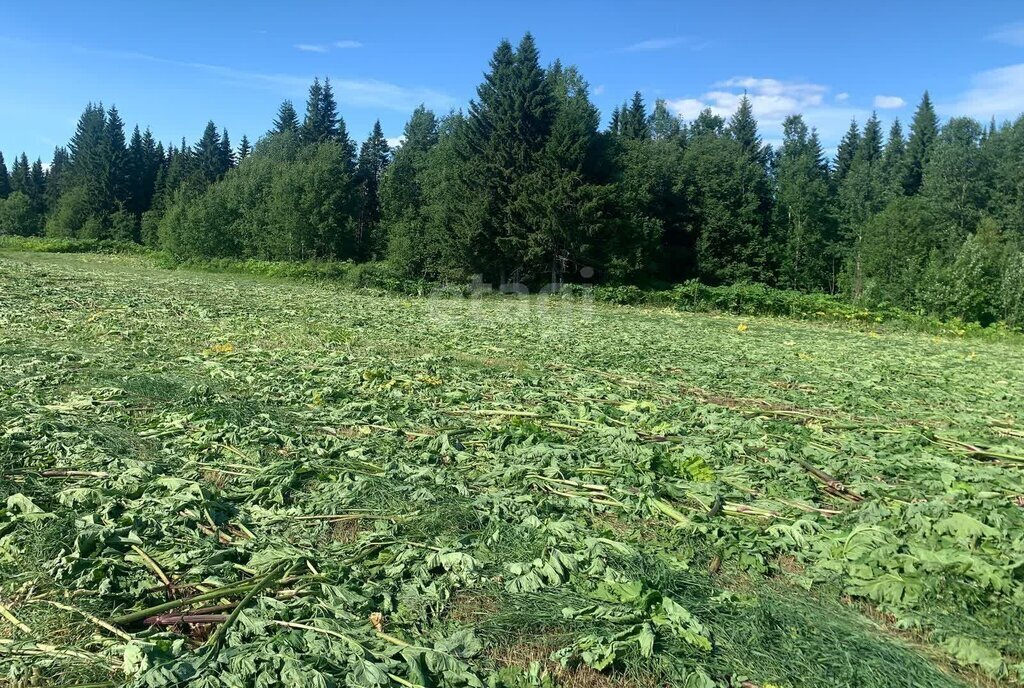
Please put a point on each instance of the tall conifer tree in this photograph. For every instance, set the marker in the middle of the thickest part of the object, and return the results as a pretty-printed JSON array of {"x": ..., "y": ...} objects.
[
  {"x": 374, "y": 156},
  {"x": 845, "y": 153},
  {"x": 5, "y": 179},
  {"x": 287, "y": 119},
  {"x": 924, "y": 129},
  {"x": 894, "y": 160},
  {"x": 244, "y": 149}
]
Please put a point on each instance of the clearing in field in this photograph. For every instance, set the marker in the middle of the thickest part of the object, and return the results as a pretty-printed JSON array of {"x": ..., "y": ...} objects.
[{"x": 225, "y": 481}]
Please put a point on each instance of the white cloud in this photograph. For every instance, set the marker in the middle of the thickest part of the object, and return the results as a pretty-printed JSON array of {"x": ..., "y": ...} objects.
[
  {"x": 773, "y": 100},
  {"x": 842, "y": 97},
  {"x": 598, "y": 90},
  {"x": 1010, "y": 34},
  {"x": 349, "y": 92},
  {"x": 993, "y": 93},
  {"x": 322, "y": 48},
  {"x": 652, "y": 44},
  {"x": 395, "y": 142},
  {"x": 889, "y": 102}
]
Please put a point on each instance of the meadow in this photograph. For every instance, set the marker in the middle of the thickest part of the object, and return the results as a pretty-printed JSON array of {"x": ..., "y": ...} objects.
[{"x": 214, "y": 479}]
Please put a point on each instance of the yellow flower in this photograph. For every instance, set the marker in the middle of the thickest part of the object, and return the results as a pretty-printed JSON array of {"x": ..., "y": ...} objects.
[
  {"x": 225, "y": 348},
  {"x": 742, "y": 327}
]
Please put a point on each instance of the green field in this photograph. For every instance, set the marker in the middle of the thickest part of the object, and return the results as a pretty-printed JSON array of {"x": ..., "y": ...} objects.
[{"x": 219, "y": 480}]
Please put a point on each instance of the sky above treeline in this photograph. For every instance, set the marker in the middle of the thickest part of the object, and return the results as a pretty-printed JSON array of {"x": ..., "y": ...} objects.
[{"x": 174, "y": 67}]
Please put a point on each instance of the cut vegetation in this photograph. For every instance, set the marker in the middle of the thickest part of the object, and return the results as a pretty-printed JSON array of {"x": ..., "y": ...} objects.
[{"x": 219, "y": 480}]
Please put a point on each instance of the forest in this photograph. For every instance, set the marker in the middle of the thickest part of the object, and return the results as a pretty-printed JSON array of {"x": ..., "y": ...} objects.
[{"x": 525, "y": 185}]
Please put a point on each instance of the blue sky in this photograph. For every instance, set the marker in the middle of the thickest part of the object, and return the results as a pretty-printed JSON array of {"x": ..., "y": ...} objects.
[{"x": 176, "y": 66}]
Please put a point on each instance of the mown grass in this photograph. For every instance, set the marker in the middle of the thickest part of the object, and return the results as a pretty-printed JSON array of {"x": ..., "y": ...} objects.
[{"x": 418, "y": 469}]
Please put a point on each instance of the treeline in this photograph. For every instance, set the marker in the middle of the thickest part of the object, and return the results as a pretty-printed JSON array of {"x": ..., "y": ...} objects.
[{"x": 525, "y": 186}]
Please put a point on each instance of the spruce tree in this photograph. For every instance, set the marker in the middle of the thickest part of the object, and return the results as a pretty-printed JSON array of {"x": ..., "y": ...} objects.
[
  {"x": 756, "y": 209},
  {"x": 845, "y": 153},
  {"x": 115, "y": 158},
  {"x": 568, "y": 230},
  {"x": 86, "y": 146},
  {"x": 508, "y": 125},
  {"x": 924, "y": 129},
  {"x": 137, "y": 164},
  {"x": 154, "y": 163},
  {"x": 743, "y": 128},
  {"x": 321, "y": 114},
  {"x": 347, "y": 144},
  {"x": 871, "y": 141},
  {"x": 287, "y": 119},
  {"x": 329, "y": 113},
  {"x": 5, "y": 179},
  {"x": 311, "y": 125},
  {"x": 374, "y": 156},
  {"x": 861, "y": 197},
  {"x": 227, "y": 153},
  {"x": 208, "y": 157},
  {"x": 802, "y": 212},
  {"x": 615, "y": 123},
  {"x": 21, "y": 176},
  {"x": 37, "y": 188},
  {"x": 244, "y": 149},
  {"x": 726, "y": 170},
  {"x": 533, "y": 94},
  {"x": 56, "y": 177},
  {"x": 633, "y": 122},
  {"x": 894, "y": 160}
]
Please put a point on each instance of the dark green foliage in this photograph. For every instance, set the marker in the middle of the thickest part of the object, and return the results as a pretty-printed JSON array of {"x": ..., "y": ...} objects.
[
  {"x": 1004, "y": 151},
  {"x": 37, "y": 188},
  {"x": 144, "y": 164},
  {"x": 115, "y": 158},
  {"x": 523, "y": 188},
  {"x": 665, "y": 125},
  {"x": 971, "y": 286},
  {"x": 507, "y": 129},
  {"x": 861, "y": 196},
  {"x": 402, "y": 191},
  {"x": 5, "y": 179},
  {"x": 374, "y": 156},
  {"x": 898, "y": 248},
  {"x": 227, "y": 154},
  {"x": 17, "y": 215},
  {"x": 730, "y": 192},
  {"x": 244, "y": 148},
  {"x": 803, "y": 210},
  {"x": 209, "y": 160},
  {"x": 21, "y": 180},
  {"x": 287, "y": 119},
  {"x": 924, "y": 129},
  {"x": 286, "y": 202},
  {"x": 894, "y": 161},
  {"x": 56, "y": 177},
  {"x": 321, "y": 122},
  {"x": 845, "y": 153},
  {"x": 633, "y": 121},
  {"x": 957, "y": 176},
  {"x": 88, "y": 164}
]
